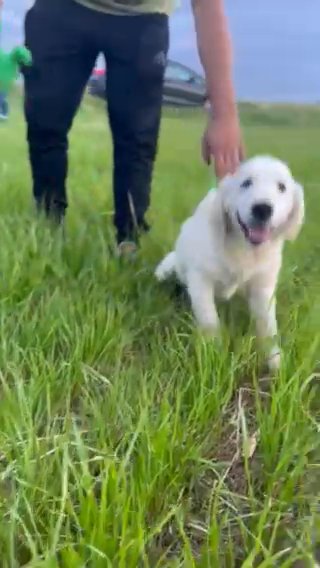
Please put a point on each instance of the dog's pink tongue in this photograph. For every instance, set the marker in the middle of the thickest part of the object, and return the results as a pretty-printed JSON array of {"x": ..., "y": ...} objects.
[{"x": 258, "y": 236}]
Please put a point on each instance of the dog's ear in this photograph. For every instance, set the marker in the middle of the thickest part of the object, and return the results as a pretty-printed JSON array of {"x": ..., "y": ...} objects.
[
  {"x": 296, "y": 217},
  {"x": 225, "y": 188},
  {"x": 226, "y": 182}
]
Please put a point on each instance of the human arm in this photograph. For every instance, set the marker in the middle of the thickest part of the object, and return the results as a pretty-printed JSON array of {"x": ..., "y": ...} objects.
[{"x": 222, "y": 141}]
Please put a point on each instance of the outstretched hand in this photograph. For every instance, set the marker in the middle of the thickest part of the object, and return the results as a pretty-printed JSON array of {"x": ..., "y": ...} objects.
[{"x": 222, "y": 145}]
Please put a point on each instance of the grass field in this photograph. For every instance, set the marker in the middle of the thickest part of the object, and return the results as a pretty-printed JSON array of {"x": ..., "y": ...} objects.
[{"x": 126, "y": 441}]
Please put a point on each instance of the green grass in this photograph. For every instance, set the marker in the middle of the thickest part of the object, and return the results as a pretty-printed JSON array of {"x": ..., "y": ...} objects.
[{"x": 125, "y": 439}]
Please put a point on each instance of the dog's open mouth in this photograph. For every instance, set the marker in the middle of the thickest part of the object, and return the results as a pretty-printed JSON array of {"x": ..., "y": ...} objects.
[{"x": 255, "y": 235}]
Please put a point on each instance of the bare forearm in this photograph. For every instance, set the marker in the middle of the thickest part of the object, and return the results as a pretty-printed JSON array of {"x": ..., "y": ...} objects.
[{"x": 215, "y": 52}]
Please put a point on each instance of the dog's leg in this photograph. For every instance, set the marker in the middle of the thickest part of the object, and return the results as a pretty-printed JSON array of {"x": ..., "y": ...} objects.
[
  {"x": 167, "y": 267},
  {"x": 200, "y": 290},
  {"x": 262, "y": 303}
]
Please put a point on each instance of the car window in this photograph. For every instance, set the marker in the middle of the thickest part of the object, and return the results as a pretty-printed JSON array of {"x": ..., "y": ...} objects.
[
  {"x": 197, "y": 80},
  {"x": 177, "y": 73}
]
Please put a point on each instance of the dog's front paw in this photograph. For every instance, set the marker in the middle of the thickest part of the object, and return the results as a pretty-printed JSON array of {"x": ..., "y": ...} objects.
[
  {"x": 274, "y": 359},
  {"x": 209, "y": 328}
]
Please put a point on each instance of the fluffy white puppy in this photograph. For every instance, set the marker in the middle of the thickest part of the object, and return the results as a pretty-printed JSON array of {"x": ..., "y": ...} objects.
[{"x": 234, "y": 241}]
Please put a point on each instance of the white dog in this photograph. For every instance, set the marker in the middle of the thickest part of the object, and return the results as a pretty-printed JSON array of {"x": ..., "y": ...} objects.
[{"x": 234, "y": 241}]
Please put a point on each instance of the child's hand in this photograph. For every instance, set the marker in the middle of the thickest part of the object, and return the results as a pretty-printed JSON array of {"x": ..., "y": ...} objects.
[{"x": 222, "y": 144}]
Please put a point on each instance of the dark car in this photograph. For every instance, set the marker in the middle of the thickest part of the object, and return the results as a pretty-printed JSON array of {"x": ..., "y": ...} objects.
[{"x": 182, "y": 86}]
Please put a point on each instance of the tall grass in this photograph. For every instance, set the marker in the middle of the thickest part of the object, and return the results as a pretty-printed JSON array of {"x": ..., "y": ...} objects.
[{"x": 128, "y": 440}]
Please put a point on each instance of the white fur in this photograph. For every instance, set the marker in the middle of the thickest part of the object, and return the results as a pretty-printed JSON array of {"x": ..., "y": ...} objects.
[{"x": 214, "y": 259}]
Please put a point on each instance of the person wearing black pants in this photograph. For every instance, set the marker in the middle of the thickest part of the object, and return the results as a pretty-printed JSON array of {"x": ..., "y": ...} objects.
[{"x": 65, "y": 38}]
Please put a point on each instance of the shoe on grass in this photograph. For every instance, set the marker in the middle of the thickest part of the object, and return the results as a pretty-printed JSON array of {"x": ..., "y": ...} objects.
[{"x": 127, "y": 250}]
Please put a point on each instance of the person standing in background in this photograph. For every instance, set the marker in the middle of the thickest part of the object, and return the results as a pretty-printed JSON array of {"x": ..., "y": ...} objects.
[
  {"x": 65, "y": 38},
  {"x": 4, "y": 106}
]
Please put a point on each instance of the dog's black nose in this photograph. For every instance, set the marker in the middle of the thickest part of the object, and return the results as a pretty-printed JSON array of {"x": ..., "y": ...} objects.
[{"x": 262, "y": 212}]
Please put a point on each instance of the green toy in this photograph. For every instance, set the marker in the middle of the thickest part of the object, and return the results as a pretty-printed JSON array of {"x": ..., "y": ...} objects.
[{"x": 10, "y": 65}]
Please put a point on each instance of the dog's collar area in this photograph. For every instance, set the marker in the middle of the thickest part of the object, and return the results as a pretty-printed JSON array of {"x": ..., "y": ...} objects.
[{"x": 254, "y": 235}]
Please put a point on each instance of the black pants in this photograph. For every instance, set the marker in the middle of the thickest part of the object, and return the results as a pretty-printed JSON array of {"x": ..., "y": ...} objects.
[{"x": 65, "y": 39}]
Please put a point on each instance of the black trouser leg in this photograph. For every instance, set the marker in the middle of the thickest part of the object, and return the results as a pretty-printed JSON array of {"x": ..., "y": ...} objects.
[
  {"x": 56, "y": 34},
  {"x": 136, "y": 59}
]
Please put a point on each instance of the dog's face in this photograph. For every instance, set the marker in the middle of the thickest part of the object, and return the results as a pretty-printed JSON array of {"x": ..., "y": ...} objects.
[{"x": 263, "y": 201}]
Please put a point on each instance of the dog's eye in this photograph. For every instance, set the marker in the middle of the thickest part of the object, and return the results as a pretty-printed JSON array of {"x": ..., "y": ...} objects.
[
  {"x": 247, "y": 183},
  {"x": 282, "y": 187}
]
